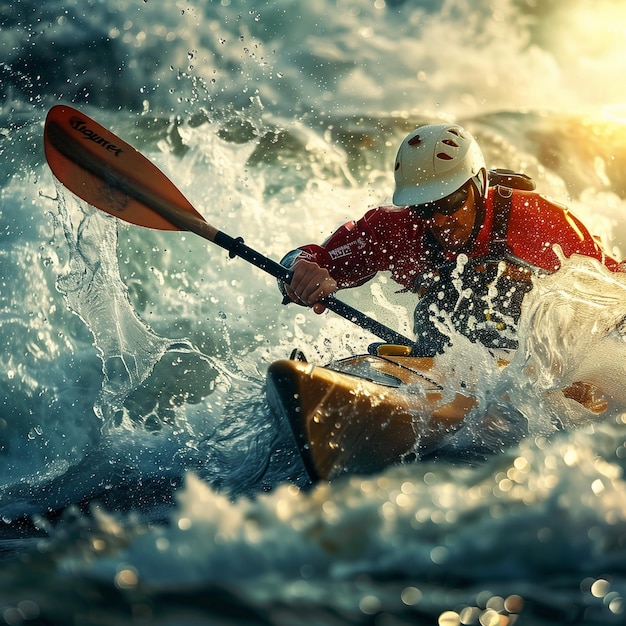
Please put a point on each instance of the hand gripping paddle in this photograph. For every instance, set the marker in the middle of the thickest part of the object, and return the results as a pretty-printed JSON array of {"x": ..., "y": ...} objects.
[{"x": 111, "y": 175}]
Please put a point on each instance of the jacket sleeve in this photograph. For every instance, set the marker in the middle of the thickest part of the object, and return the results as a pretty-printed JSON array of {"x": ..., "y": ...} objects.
[{"x": 352, "y": 254}]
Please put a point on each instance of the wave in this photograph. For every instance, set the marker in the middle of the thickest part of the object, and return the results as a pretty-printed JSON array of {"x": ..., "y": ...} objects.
[{"x": 139, "y": 458}]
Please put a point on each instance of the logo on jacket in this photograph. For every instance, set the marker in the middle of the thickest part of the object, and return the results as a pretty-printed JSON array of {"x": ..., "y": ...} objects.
[{"x": 346, "y": 249}]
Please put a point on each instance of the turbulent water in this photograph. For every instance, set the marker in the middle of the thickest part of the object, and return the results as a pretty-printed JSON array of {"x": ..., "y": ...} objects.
[{"x": 143, "y": 476}]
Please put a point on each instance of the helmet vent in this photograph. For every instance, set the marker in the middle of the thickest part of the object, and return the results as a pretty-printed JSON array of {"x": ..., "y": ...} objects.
[
  {"x": 415, "y": 141},
  {"x": 449, "y": 142},
  {"x": 444, "y": 157}
]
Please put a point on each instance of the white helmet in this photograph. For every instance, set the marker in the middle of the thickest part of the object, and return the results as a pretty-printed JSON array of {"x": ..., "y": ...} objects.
[{"x": 435, "y": 161}]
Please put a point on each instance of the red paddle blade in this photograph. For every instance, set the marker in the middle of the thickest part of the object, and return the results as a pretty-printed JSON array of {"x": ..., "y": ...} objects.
[{"x": 108, "y": 173}]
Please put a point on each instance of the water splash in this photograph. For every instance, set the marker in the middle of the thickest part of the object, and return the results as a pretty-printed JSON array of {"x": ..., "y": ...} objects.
[
  {"x": 94, "y": 291},
  {"x": 573, "y": 328}
]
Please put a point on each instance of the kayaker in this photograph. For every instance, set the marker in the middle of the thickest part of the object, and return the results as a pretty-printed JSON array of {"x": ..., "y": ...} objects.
[{"x": 464, "y": 239}]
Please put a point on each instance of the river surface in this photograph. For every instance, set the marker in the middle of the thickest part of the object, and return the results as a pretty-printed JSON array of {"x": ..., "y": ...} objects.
[{"x": 143, "y": 477}]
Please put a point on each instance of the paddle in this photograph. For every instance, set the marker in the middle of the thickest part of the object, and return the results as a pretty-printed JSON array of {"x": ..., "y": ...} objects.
[{"x": 112, "y": 176}]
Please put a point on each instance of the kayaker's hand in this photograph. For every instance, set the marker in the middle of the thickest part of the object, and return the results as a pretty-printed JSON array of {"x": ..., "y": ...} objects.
[{"x": 310, "y": 283}]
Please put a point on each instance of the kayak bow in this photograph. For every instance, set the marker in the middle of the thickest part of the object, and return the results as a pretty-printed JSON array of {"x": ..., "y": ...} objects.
[{"x": 365, "y": 413}]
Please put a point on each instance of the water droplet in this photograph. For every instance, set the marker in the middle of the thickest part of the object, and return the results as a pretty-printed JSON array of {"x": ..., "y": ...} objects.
[{"x": 449, "y": 618}]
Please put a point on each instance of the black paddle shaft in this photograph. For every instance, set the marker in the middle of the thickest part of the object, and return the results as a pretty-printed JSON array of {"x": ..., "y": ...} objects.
[{"x": 236, "y": 247}]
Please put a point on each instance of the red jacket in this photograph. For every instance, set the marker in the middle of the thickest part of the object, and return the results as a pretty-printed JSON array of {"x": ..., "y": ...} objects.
[{"x": 395, "y": 239}]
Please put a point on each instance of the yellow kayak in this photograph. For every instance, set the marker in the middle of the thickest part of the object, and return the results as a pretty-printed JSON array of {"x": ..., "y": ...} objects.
[{"x": 364, "y": 413}]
